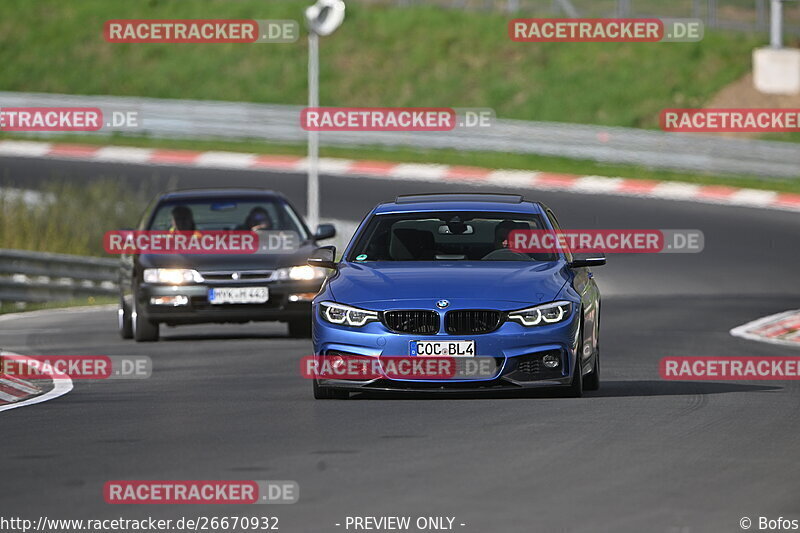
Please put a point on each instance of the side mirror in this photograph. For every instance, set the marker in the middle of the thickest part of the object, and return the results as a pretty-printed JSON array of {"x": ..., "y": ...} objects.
[
  {"x": 325, "y": 231},
  {"x": 588, "y": 262},
  {"x": 324, "y": 257}
]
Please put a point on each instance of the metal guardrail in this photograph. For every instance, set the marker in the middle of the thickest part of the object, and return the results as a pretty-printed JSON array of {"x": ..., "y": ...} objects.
[
  {"x": 199, "y": 119},
  {"x": 38, "y": 277}
]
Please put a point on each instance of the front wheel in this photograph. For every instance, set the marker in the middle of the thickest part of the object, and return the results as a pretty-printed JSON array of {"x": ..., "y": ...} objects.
[
  {"x": 575, "y": 389},
  {"x": 592, "y": 381},
  {"x": 143, "y": 329},
  {"x": 124, "y": 321}
]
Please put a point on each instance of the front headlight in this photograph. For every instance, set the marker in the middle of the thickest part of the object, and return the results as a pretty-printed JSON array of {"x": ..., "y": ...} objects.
[
  {"x": 346, "y": 315},
  {"x": 542, "y": 315},
  {"x": 172, "y": 276},
  {"x": 300, "y": 273}
]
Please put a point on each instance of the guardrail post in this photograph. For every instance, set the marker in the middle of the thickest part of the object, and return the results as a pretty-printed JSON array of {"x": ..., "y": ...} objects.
[{"x": 776, "y": 24}]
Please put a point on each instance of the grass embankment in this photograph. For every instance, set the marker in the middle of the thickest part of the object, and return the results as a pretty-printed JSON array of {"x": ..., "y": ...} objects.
[
  {"x": 381, "y": 56},
  {"x": 66, "y": 217}
]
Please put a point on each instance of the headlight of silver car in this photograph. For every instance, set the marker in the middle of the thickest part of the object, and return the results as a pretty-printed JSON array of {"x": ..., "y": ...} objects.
[
  {"x": 346, "y": 315},
  {"x": 542, "y": 315},
  {"x": 300, "y": 273},
  {"x": 172, "y": 276}
]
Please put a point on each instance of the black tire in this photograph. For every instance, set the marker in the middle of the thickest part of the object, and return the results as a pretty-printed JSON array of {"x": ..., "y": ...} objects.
[
  {"x": 575, "y": 389},
  {"x": 124, "y": 320},
  {"x": 327, "y": 393},
  {"x": 143, "y": 329},
  {"x": 592, "y": 381},
  {"x": 300, "y": 329}
]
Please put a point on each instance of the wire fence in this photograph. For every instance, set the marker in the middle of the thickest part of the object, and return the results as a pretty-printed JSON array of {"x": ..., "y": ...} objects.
[{"x": 744, "y": 15}]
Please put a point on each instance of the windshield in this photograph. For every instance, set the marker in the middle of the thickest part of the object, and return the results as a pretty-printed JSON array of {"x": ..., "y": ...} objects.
[
  {"x": 229, "y": 214},
  {"x": 445, "y": 236}
]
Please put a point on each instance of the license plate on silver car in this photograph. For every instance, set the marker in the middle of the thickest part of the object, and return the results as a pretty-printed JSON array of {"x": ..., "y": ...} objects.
[{"x": 238, "y": 295}]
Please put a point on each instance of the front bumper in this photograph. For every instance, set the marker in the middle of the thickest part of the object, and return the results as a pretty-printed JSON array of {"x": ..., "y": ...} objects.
[
  {"x": 287, "y": 300},
  {"x": 517, "y": 350}
]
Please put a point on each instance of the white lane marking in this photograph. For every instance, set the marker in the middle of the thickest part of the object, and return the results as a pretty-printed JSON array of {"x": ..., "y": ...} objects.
[
  {"x": 61, "y": 386},
  {"x": 743, "y": 331},
  {"x": 225, "y": 160},
  {"x": 511, "y": 178},
  {"x": 414, "y": 171},
  {"x": 753, "y": 197},
  {"x": 24, "y": 148},
  {"x": 675, "y": 190},
  {"x": 597, "y": 184},
  {"x": 123, "y": 154},
  {"x": 329, "y": 165}
]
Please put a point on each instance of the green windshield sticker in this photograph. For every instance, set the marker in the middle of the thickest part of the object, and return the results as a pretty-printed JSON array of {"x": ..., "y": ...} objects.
[{"x": 362, "y": 257}]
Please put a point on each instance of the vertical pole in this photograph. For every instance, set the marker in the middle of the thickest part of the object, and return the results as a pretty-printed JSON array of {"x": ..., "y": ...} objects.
[
  {"x": 776, "y": 24},
  {"x": 312, "y": 214},
  {"x": 623, "y": 8},
  {"x": 712, "y": 13}
]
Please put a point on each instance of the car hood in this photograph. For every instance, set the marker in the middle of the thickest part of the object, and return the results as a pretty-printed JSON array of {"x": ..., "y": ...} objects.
[
  {"x": 257, "y": 261},
  {"x": 502, "y": 285}
]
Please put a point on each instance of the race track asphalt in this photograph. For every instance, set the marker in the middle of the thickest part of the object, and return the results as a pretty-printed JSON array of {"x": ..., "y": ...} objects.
[{"x": 639, "y": 455}]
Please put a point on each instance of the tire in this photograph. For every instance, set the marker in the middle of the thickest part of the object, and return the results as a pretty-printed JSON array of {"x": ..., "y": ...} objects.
[
  {"x": 327, "y": 393},
  {"x": 143, "y": 329},
  {"x": 575, "y": 389},
  {"x": 124, "y": 320},
  {"x": 592, "y": 381},
  {"x": 300, "y": 329}
]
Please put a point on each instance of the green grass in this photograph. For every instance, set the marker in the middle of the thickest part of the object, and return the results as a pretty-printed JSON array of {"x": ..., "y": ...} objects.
[
  {"x": 415, "y": 56},
  {"x": 72, "y": 219},
  {"x": 452, "y": 157}
]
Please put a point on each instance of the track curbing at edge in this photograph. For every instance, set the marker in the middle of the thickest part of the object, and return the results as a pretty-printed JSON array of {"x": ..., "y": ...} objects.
[{"x": 663, "y": 190}]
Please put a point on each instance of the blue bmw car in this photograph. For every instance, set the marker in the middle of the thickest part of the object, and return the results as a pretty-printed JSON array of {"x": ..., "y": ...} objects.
[{"x": 433, "y": 275}]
